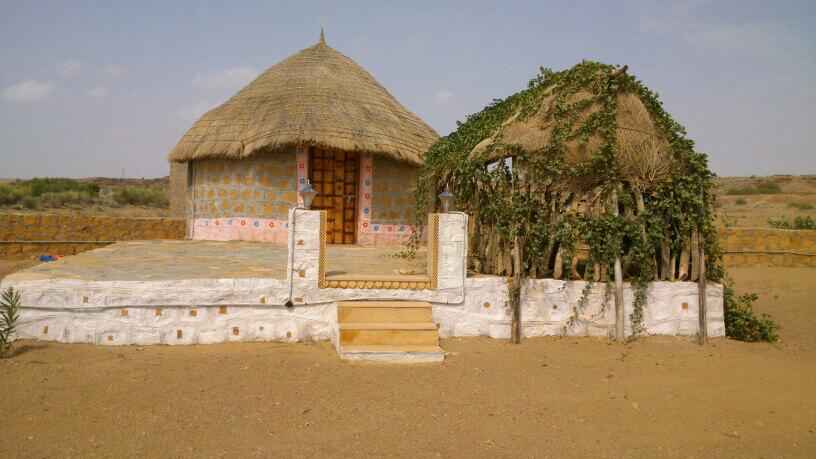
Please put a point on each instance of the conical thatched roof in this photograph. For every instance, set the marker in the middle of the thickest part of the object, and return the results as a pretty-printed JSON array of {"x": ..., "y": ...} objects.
[{"x": 317, "y": 96}]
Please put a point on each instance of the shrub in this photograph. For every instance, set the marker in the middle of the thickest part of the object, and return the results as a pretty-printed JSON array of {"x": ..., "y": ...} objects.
[
  {"x": 30, "y": 202},
  {"x": 740, "y": 202},
  {"x": 763, "y": 187},
  {"x": 63, "y": 198},
  {"x": 9, "y": 195},
  {"x": 800, "y": 205},
  {"x": 141, "y": 196},
  {"x": 9, "y": 313},
  {"x": 741, "y": 323},
  {"x": 41, "y": 186},
  {"x": 798, "y": 223}
]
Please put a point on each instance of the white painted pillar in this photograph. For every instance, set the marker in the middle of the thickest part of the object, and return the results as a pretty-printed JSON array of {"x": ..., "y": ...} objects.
[
  {"x": 452, "y": 251},
  {"x": 305, "y": 258}
]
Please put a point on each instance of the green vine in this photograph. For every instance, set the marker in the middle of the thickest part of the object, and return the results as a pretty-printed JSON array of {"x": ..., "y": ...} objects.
[{"x": 574, "y": 193}]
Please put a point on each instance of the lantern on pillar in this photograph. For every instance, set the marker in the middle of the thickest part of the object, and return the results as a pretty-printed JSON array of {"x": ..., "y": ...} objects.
[
  {"x": 308, "y": 194},
  {"x": 446, "y": 198}
]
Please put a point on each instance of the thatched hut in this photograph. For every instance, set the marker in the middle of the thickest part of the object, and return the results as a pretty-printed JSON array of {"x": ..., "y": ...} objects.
[
  {"x": 570, "y": 166},
  {"x": 318, "y": 116}
]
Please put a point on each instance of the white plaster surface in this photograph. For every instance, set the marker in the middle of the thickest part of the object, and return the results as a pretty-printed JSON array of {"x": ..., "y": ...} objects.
[
  {"x": 173, "y": 325},
  {"x": 549, "y": 305}
]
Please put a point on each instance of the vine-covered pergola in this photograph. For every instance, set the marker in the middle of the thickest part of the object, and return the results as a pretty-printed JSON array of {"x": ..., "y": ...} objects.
[{"x": 583, "y": 175}]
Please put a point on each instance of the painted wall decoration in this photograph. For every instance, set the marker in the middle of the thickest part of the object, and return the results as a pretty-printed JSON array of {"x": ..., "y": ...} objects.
[
  {"x": 247, "y": 199},
  {"x": 241, "y": 229},
  {"x": 302, "y": 160},
  {"x": 373, "y": 231}
]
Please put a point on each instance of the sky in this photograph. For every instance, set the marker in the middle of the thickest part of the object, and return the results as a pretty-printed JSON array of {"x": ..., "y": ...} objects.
[{"x": 108, "y": 88}]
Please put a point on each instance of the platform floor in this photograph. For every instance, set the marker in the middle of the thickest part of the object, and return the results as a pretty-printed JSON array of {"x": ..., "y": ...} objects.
[{"x": 171, "y": 260}]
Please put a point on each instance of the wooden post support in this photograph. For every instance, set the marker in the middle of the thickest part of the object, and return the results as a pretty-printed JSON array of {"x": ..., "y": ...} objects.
[
  {"x": 683, "y": 273},
  {"x": 558, "y": 268},
  {"x": 695, "y": 256},
  {"x": 701, "y": 291},
  {"x": 619, "y": 312},
  {"x": 641, "y": 209},
  {"x": 665, "y": 257},
  {"x": 515, "y": 298}
]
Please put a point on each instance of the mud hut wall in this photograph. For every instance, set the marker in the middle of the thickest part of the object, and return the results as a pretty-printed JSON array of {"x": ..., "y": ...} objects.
[
  {"x": 177, "y": 192},
  {"x": 387, "y": 202},
  {"x": 245, "y": 199}
]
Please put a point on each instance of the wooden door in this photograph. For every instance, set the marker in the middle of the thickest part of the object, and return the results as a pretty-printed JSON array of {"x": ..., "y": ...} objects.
[{"x": 334, "y": 175}]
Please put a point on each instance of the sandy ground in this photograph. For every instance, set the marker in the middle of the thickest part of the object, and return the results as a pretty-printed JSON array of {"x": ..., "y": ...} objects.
[
  {"x": 797, "y": 198},
  {"x": 9, "y": 266},
  {"x": 549, "y": 397}
]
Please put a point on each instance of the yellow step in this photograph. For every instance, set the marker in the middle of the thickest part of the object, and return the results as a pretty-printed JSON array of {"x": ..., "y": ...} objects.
[
  {"x": 384, "y": 314},
  {"x": 394, "y": 333}
]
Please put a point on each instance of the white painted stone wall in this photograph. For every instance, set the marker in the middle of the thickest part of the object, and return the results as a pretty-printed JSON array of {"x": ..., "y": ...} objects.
[
  {"x": 201, "y": 311},
  {"x": 548, "y": 305},
  {"x": 143, "y": 325}
]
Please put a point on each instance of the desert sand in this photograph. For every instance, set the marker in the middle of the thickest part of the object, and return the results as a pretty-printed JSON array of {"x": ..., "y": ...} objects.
[{"x": 548, "y": 397}]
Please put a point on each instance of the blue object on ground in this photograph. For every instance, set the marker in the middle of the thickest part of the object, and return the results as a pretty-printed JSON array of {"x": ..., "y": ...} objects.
[{"x": 46, "y": 258}]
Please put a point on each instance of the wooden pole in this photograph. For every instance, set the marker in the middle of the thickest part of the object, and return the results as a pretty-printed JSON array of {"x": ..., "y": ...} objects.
[
  {"x": 701, "y": 290},
  {"x": 683, "y": 273},
  {"x": 515, "y": 298},
  {"x": 641, "y": 209},
  {"x": 701, "y": 285},
  {"x": 695, "y": 256},
  {"x": 558, "y": 268},
  {"x": 619, "y": 313}
]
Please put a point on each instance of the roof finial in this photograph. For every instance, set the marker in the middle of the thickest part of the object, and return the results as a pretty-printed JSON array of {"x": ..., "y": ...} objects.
[{"x": 322, "y": 36}]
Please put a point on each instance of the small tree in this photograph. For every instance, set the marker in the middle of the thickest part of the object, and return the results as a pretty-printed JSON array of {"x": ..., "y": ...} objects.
[{"x": 9, "y": 313}]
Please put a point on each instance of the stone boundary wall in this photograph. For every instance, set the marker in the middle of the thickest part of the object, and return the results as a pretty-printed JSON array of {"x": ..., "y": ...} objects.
[
  {"x": 81, "y": 233},
  {"x": 550, "y": 307},
  {"x": 221, "y": 310},
  {"x": 744, "y": 247}
]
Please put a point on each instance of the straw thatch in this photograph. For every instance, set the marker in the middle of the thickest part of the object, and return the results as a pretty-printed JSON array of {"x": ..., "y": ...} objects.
[
  {"x": 643, "y": 151},
  {"x": 318, "y": 97}
]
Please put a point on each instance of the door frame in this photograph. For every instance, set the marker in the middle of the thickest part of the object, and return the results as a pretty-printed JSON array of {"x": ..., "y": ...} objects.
[{"x": 310, "y": 153}]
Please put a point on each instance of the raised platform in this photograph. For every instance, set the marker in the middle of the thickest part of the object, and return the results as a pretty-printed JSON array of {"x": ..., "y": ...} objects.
[
  {"x": 187, "y": 260},
  {"x": 162, "y": 292}
]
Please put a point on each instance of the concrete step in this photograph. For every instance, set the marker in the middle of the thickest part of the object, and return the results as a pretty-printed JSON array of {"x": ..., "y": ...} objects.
[
  {"x": 393, "y": 353},
  {"x": 391, "y": 333},
  {"x": 384, "y": 311}
]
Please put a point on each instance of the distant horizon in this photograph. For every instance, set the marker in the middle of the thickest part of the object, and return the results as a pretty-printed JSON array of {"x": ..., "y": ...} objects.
[
  {"x": 87, "y": 90},
  {"x": 6, "y": 179}
]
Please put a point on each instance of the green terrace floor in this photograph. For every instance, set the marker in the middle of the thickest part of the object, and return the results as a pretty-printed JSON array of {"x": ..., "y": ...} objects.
[{"x": 171, "y": 260}]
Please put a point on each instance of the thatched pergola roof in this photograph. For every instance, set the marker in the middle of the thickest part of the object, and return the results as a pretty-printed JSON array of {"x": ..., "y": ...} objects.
[
  {"x": 643, "y": 148},
  {"x": 317, "y": 97}
]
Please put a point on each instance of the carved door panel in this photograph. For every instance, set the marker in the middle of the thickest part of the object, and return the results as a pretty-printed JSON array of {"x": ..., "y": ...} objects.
[{"x": 334, "y": 175}]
